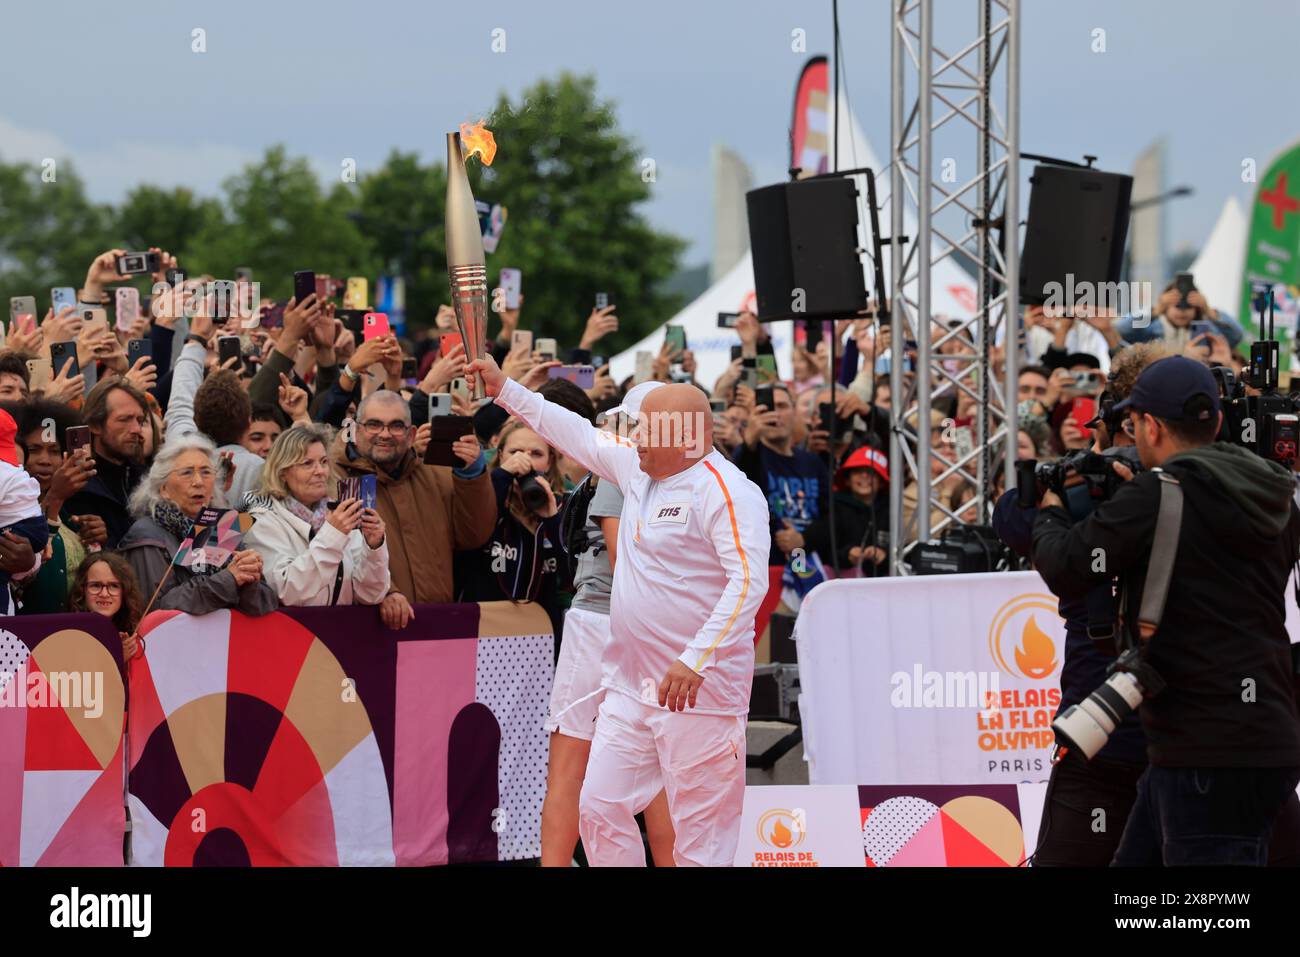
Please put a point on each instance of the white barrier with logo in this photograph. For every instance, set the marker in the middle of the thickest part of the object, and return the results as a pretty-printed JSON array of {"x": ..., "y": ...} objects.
[
  {"x": 840, "y": 825},
  {"x": 798, "y": 825},
  {"x": 945, "y": 679},
  {"x": 896, "y": 675}
]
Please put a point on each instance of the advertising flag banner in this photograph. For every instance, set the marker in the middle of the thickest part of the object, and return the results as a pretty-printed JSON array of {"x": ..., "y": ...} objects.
[{"x": 1273, "y": 251}]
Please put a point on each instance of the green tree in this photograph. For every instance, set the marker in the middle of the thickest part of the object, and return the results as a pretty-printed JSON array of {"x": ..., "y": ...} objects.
[
  {"x": 571, "y": 180},
  {"x": 572, "y": 183},
  {"x": 170, "y": 219},
  {"x": 49, "y": 232},
  {"x": 400, "y": 209},
  {"x": 277, "y": 219}
]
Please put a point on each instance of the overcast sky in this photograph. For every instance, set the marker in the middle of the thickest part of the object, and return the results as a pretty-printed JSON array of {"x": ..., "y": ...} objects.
[{"x": 116, "y": 87}]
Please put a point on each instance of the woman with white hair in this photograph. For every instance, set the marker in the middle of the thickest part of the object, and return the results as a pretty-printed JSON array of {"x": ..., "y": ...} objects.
[
  {"x": 181, "y": 482},
  {"x": 315, "y": 554}
]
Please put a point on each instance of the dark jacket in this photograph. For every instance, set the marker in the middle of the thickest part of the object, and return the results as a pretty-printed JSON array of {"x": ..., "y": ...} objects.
[
  {"x": 797, "y": 487},
  {"x": 106, "y": 495},
  {"x": 857, "y": 525},
  {"x": 1084, "y": 666},
  {"x": 1222, "y": 645},
  {"x": 528, "y": 564},
  {"x": 150, "y": 548}
]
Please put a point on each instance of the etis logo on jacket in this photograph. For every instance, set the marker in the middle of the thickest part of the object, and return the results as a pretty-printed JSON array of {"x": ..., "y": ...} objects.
[{"x": 672, "y": 513}]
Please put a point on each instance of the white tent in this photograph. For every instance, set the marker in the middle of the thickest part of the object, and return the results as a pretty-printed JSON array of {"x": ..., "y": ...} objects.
[
  {"x": 1217, "y": 270},
  {"x": 952, "y": 293},
  {"x": 711, "y": 346}
]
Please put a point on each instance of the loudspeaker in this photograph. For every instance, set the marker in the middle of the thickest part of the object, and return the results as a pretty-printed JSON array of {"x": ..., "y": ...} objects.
[
  {"x": 804, "y": 239},
  {"x": 1078, "y": 220}
]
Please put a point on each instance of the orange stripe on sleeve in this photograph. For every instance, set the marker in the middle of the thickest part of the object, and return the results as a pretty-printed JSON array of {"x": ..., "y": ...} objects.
[{"x": 744, "y": 563}]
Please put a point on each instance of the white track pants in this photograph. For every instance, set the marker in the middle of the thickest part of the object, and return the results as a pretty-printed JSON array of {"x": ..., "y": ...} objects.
[{"x": 698, "y": 759}]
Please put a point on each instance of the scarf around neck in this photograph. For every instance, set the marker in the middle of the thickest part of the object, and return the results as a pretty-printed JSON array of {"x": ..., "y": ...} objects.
[
  {"x": 315, "y": 517},
  {"x": 170, "y": 517}
]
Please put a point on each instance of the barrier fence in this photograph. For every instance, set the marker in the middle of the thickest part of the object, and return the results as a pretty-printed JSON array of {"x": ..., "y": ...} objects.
[{"x": 311, "y": 736}]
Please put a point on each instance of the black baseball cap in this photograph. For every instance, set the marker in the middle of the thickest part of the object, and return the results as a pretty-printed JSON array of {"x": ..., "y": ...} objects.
[{"x": 1166, "y": 386}]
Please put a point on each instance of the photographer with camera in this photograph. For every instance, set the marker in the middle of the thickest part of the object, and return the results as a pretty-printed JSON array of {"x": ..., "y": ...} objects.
[
  {"x": 1077, "y": 787},
  {"x": 524, "y": 558},
  {"x": 1202, "y": 543}
]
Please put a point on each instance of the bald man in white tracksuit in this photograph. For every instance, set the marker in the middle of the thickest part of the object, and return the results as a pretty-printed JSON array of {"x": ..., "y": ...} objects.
[{"x": 690, "y": 576}]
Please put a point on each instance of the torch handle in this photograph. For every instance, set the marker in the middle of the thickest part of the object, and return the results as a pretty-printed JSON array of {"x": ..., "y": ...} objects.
[{"x": 470, "y": 301}]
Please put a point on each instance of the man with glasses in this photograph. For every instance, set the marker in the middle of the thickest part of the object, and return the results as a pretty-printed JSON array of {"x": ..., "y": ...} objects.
[{"x": 430, "y": 511}]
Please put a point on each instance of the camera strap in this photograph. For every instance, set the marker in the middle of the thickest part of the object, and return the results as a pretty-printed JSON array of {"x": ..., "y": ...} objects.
[{"x": 1164, "y": 548}]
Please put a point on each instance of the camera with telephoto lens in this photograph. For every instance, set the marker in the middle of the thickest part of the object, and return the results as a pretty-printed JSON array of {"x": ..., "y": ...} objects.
[
  {"x": 1083, "y": 479},
  {"x": 1086, "y": 726},
  {"x": 1267, "y": 423},
  {"x": 532, "y": 493}
]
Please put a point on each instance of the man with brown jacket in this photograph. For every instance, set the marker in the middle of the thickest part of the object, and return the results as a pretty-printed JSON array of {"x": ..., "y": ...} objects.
[{"x": 430, "y": 511}]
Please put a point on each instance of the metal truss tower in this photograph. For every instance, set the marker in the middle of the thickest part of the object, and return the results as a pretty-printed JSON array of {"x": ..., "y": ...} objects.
[{"x": 955, "y": 141}]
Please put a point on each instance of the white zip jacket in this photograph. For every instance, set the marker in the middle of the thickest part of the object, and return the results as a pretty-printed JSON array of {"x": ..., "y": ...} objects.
[
  {"x": 692, "y": 562},
  {"x": 303, "y": 571}
]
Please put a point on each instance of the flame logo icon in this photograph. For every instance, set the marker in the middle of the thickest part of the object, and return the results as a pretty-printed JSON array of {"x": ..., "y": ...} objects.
[
  {"x": 1034, "y": 653},
  {"x": 779, "y": 828}
]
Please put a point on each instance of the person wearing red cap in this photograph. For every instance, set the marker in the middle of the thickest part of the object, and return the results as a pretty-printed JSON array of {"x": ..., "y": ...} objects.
[
  {"x": 861, "y": 515},
  {"x": 23, "y": 532}
]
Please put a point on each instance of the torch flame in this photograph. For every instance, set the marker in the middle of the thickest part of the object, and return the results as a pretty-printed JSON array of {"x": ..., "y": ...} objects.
[
  {"x": 1036, "y": 654},
  {"x": 478, "y": 140},
  {"x": 781, "y": 836}
]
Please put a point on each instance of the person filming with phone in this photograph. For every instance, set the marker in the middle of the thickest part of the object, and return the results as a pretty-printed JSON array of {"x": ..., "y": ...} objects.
[
  {"x": 1180, "y": 315},
  {"x": 316, "y": 551},
  {"x": 1202, "y": 541}
]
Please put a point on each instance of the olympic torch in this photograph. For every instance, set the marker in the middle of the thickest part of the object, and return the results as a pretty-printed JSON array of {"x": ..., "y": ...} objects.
[{"x": 465, "y": 265}]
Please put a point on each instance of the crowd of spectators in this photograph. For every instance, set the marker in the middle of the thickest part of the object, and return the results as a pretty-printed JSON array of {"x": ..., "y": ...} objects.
[{"x": 309, "y": 410}]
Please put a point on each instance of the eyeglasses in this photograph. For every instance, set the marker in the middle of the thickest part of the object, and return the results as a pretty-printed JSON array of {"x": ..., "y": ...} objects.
[
  {"x": 111, "y": 588},
  {"x": 322, "y": 464},
  {"x": 204, "y": 473},
  {"x": 374, "y": 427}
]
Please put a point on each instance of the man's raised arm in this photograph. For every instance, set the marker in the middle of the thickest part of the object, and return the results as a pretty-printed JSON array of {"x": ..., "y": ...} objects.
[{"x": 606, "y": 454}]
